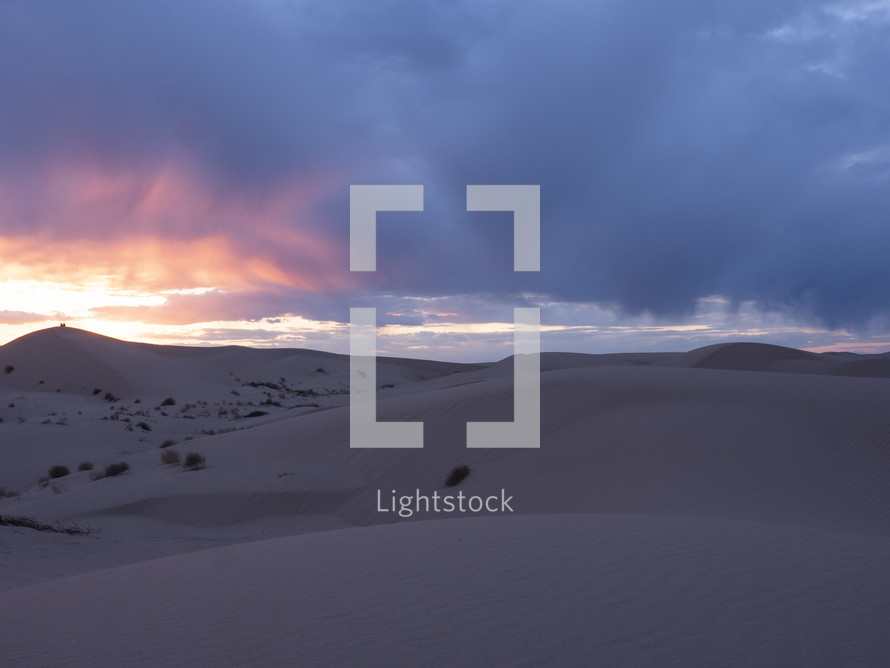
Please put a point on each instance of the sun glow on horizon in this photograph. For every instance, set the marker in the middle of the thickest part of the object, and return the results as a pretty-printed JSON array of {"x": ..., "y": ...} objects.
[
  {"x": 125, "y": 251},
  {"x": 464, "y": 342},
  {"x": 158, "y": 255},
  {"x": 29, "y": 305}
]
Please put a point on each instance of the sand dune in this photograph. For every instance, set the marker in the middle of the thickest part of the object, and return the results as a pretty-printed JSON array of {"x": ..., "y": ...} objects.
[
  {"x": 741, "y": 356},
  {"x": 726, "y": 506},
  {"x": 77, "y": 361},
  {"x": 638, "y": 440}
]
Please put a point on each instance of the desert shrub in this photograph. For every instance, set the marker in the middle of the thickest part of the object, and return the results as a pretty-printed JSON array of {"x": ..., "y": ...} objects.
[
  {"x": 31, "y": 523},
  {"x": 96, "y": 391},
  {"x": 169, "y": 457},
  {"x": 85, "y": 466},
  {"x": 320, "y": 369},
  {"x": 143, "y": 426},
  {"x": 254, "y": 414},
  {"x": 264, "y": 383},
  {"x": 116, "y": 469},
  {"x": 168, "y": 443},
  {"x": 58, "y": 471},
  {"x": 457, "y": 476},
  {"x": 169, "y": 401},
  {"x": 193, "y": 461},
  {"x": 9, "y": 369}
]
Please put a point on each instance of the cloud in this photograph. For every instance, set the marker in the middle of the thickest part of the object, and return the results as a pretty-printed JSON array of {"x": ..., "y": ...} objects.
[
  {"x": 24, "y": 318},
  {"x": 683, "y": 150},
  {"x": 165, "y": 230}
]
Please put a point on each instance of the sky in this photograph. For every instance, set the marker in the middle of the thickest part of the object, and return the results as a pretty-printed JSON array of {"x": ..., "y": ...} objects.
[{"x": 179, "y": 172}]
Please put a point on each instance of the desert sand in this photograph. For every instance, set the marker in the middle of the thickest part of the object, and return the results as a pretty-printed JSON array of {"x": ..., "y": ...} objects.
[{"x": 725, "y": 506}]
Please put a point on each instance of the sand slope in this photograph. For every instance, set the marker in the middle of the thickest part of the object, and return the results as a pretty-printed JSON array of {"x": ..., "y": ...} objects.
[{"x": 536, "y": 590}]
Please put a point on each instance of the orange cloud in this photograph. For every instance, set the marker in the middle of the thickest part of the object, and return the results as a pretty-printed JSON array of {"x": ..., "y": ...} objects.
[
  {"x": 154, "y": 264},
  {"x": 163, "y": 227}
]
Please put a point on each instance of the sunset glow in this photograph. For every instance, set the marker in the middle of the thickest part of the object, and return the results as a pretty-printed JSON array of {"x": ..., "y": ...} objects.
[{"x": 182, "y": 191}]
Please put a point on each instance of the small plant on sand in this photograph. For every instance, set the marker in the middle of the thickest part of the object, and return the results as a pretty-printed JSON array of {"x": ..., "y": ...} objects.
[
  {"x": 193, "y": 461},
  {"x": 115, "y": 469},
  {"x": 168, "y": 443},
  {"x": 9, "y": 369},
  {"x": 85, "y": 466},
  {"x": 31, "y": 523},
  {"x": 143, "y": 426},
  {"x": 58, "y": 471},
  {"x": 457, "y": 476},
  {"x": 169, "y": 457},
  {"x": 169, "y": 401}
]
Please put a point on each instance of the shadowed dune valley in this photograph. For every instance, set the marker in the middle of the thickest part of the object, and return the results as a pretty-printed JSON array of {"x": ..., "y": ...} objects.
[{"x": 164, "y": 505}]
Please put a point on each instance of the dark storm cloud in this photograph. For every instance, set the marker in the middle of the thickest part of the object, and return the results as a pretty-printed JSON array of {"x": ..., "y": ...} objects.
[{"x": 683, "y": 149}]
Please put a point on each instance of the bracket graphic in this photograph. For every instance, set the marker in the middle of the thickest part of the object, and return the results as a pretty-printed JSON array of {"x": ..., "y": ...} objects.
[{"x": 364, "y": 429}]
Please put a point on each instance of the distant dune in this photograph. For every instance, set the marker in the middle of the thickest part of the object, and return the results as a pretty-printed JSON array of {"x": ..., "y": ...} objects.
[
  {"x": 765, "y": 357},
  {"x": 725, "y": 506},
  {"x": 77, "y": 361},
  {"x": 742, "y": 357}
]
